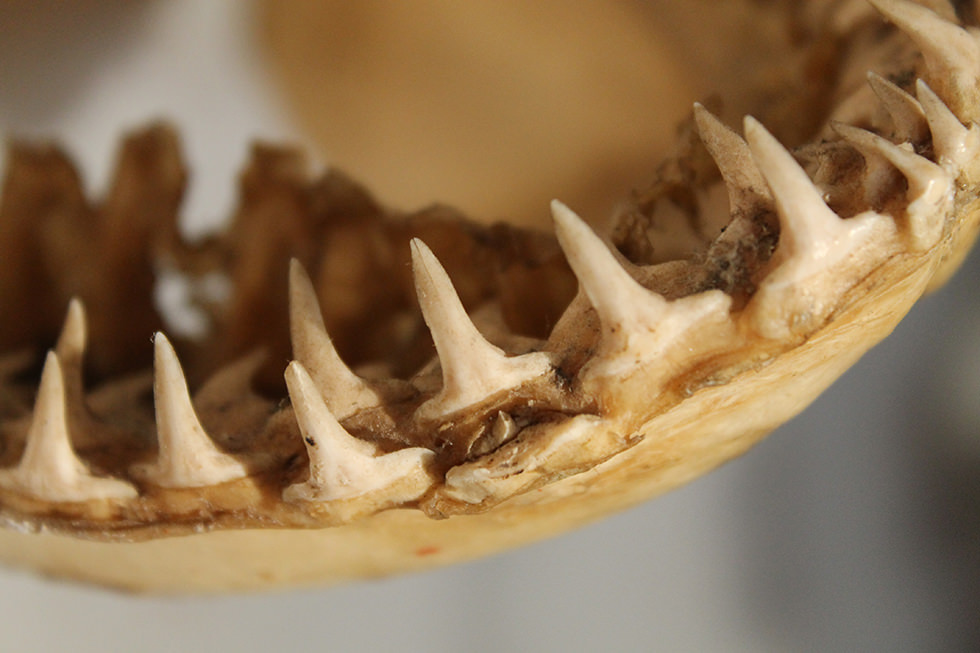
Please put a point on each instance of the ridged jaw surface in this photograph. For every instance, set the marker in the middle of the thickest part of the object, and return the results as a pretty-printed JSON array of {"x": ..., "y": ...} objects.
[{"x": 381, "y": 392}]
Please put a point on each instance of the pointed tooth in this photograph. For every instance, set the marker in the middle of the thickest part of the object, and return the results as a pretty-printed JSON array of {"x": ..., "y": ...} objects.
[
  {"x": 342, "y": 466},
  {"x": 637, "y": 324},
  {"x": 472, "y": 368},
  {"x": 187, "y": 456},
  {"x": 815, "y": 257},
  {"x": 617, "y": 297},
  {"x": 50, "y": 469},
  {"x": 905, "y": 110},
  {"x": 951, "y": 53},
  {"x": 930, "y": 186},
  {"x": 345, "y": 392},
  {"x": 806, "y": 222},
  {"x": 746, "y": 185},
  {"x": 955, "y": 145}
]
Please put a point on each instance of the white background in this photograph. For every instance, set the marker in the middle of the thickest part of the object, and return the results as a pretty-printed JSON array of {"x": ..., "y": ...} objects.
[{"x": 856, "y": 527}]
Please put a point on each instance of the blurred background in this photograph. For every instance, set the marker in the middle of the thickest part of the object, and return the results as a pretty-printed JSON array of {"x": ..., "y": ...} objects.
[{"x": 855, "y": 527}]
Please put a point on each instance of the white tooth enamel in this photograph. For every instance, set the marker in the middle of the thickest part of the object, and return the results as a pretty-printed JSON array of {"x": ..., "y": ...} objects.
[
  {"x": 746, "y": 185},
  {"x": 71, "y": 353},
  {"x": 49, "y": 469},
  {"x": 816, "y": 248},
  {"x": 905, "y": 110},
  {"x": 472, "y": 368},
  {"x": 930, "y": 186},
  {"x": 951, "y": 53},
  {"x": 187, "y": 456},
  {"x": 955, "y": 145},
  {"x": 345, "y": 392},
  {"x": 637, "y": 323},
  {"x": 342, "y": 466}
]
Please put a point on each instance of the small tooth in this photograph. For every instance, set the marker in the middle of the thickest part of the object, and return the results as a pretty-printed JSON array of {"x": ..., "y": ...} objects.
[
  {"x": 951, "y": 53},
  {"x": 472, "y": 368},
  {"x": 187, "y": 456},
  {"x": 636, "y": 322},
  {"x": 345, "y": 392},
  {"x": 930, "y": 186},
  {"x": 49, "y": 469},
  {"x": 746, "y": 185},
  {"x": 816, "y": 249},
  {"x": 954, "y": 144},
  {"x": 342, "y": 466},
  {"x": 905, "y": 110},
  {"x": 71, "y": 353}
]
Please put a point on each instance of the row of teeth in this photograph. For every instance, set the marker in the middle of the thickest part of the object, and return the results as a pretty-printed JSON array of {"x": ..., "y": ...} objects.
[{"x": 638, "y": 326}]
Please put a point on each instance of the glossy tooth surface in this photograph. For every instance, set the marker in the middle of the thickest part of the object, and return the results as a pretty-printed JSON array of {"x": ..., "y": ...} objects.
[
  {"x": 746, "y": 185},
  {"x": 955, "y": 145},
  {"x": 815, "y": 248},
  {"x": 342, "y": 466},
  {"x": 637, "y": 323},
  {"x": 472, "y": 368},
  {"x": 905, "y": 110},
  {"x": 345, "y": 392},
  {"x": 930, "y": 186},
  {"x": 952, "y": 54},
  {"x": 187, "y": 456},
  {"x": 49, "y": 469}
]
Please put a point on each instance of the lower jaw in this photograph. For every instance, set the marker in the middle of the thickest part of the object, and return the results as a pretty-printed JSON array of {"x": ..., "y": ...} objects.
[{"x": 691, "y": 398}]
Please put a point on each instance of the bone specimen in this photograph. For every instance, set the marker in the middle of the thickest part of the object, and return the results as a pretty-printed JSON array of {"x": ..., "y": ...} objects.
[{"x": 386, "y": 391}]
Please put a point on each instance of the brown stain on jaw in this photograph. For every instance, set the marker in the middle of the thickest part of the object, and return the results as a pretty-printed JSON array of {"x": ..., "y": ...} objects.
[{"x": 564, "y": 379}]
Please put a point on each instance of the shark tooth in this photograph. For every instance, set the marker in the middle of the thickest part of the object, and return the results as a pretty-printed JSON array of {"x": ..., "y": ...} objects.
[
  {"x": 49, "y": 469},
  {"x": 930, "y": 186},
  {"x": 746, "y": 185},
  {"x": 815, "y": 245},
  {"x": 345, "y": 467},
  {"x": 344, "y": 391},
  {"x": 472, "y": 368},
  {"x": 952, "y": 54},
  {"x": 905, "y": 111},
  {"x": 638, "y": 325},
  {"x": 955, "y": 144},
  {"x": 187, "y": 457}
]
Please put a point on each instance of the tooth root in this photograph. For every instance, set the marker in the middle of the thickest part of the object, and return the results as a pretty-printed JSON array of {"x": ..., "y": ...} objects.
[
  {"x": 637, "y": 323},
  {"x": 187, "y": 456},
  {"x": 930, "y": 186},
  {"x": 342, "y": 466},
  {"x": 951, "y": 53},
  {"x": 345, "y": 392},
  {"x": 49, "y": 469},
  {"x": 746, "y": 185},
  {"x": 954, "y": 144},
  {"x": 905, "y": 110},
  {"x": 472, "y": 368}
]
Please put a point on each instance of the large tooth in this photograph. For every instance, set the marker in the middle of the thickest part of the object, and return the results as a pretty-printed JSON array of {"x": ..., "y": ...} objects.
[
  {"x": 905, "y": 110},
  {"x": 472, "y": 368},
  {"x": 815, "y": 247},
  {"x": 637, "y": 324},
  {"x": 49, "y": 469},
  {"x": 345, "y": 392},
  {"x": 746, "y": 185},
  {"x": 955, "y": 145},
  {"x": 930, "y": 186},
  {"x": 951, "y": 53},
  {"x": 187, "y": 456},
  {"x": 345, "y": 467}
]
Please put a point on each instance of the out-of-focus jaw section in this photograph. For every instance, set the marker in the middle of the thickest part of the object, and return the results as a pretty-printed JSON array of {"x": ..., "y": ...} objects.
[{"x": 446, "y": 388}]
